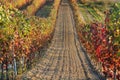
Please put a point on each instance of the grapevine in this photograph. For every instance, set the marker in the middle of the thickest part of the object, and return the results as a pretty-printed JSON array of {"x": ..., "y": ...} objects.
[
  {"x": 21, "y": 37},
  {"x": 103, "y": 40}
]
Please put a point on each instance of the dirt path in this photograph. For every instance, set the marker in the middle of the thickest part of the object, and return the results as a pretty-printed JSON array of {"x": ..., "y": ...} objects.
[{"x": 65, "y": 59}]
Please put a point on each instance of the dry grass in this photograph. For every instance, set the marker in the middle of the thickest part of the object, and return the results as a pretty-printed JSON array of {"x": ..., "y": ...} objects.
[
  {"x": 20, "y": 3},
  {"x": 36, "y": 4}
]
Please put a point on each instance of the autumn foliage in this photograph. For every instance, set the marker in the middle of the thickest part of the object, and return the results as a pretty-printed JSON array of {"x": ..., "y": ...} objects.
[{"x": 102, "y": 40}]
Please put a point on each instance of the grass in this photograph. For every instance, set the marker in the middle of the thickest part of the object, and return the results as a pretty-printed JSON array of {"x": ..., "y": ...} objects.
[
  {"x": 44, "y": 12},
  {"x": 94, "y": 11}
]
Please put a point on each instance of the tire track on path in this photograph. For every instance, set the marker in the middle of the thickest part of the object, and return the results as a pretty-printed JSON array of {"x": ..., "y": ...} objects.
[{"x": 64, "y": 59}]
